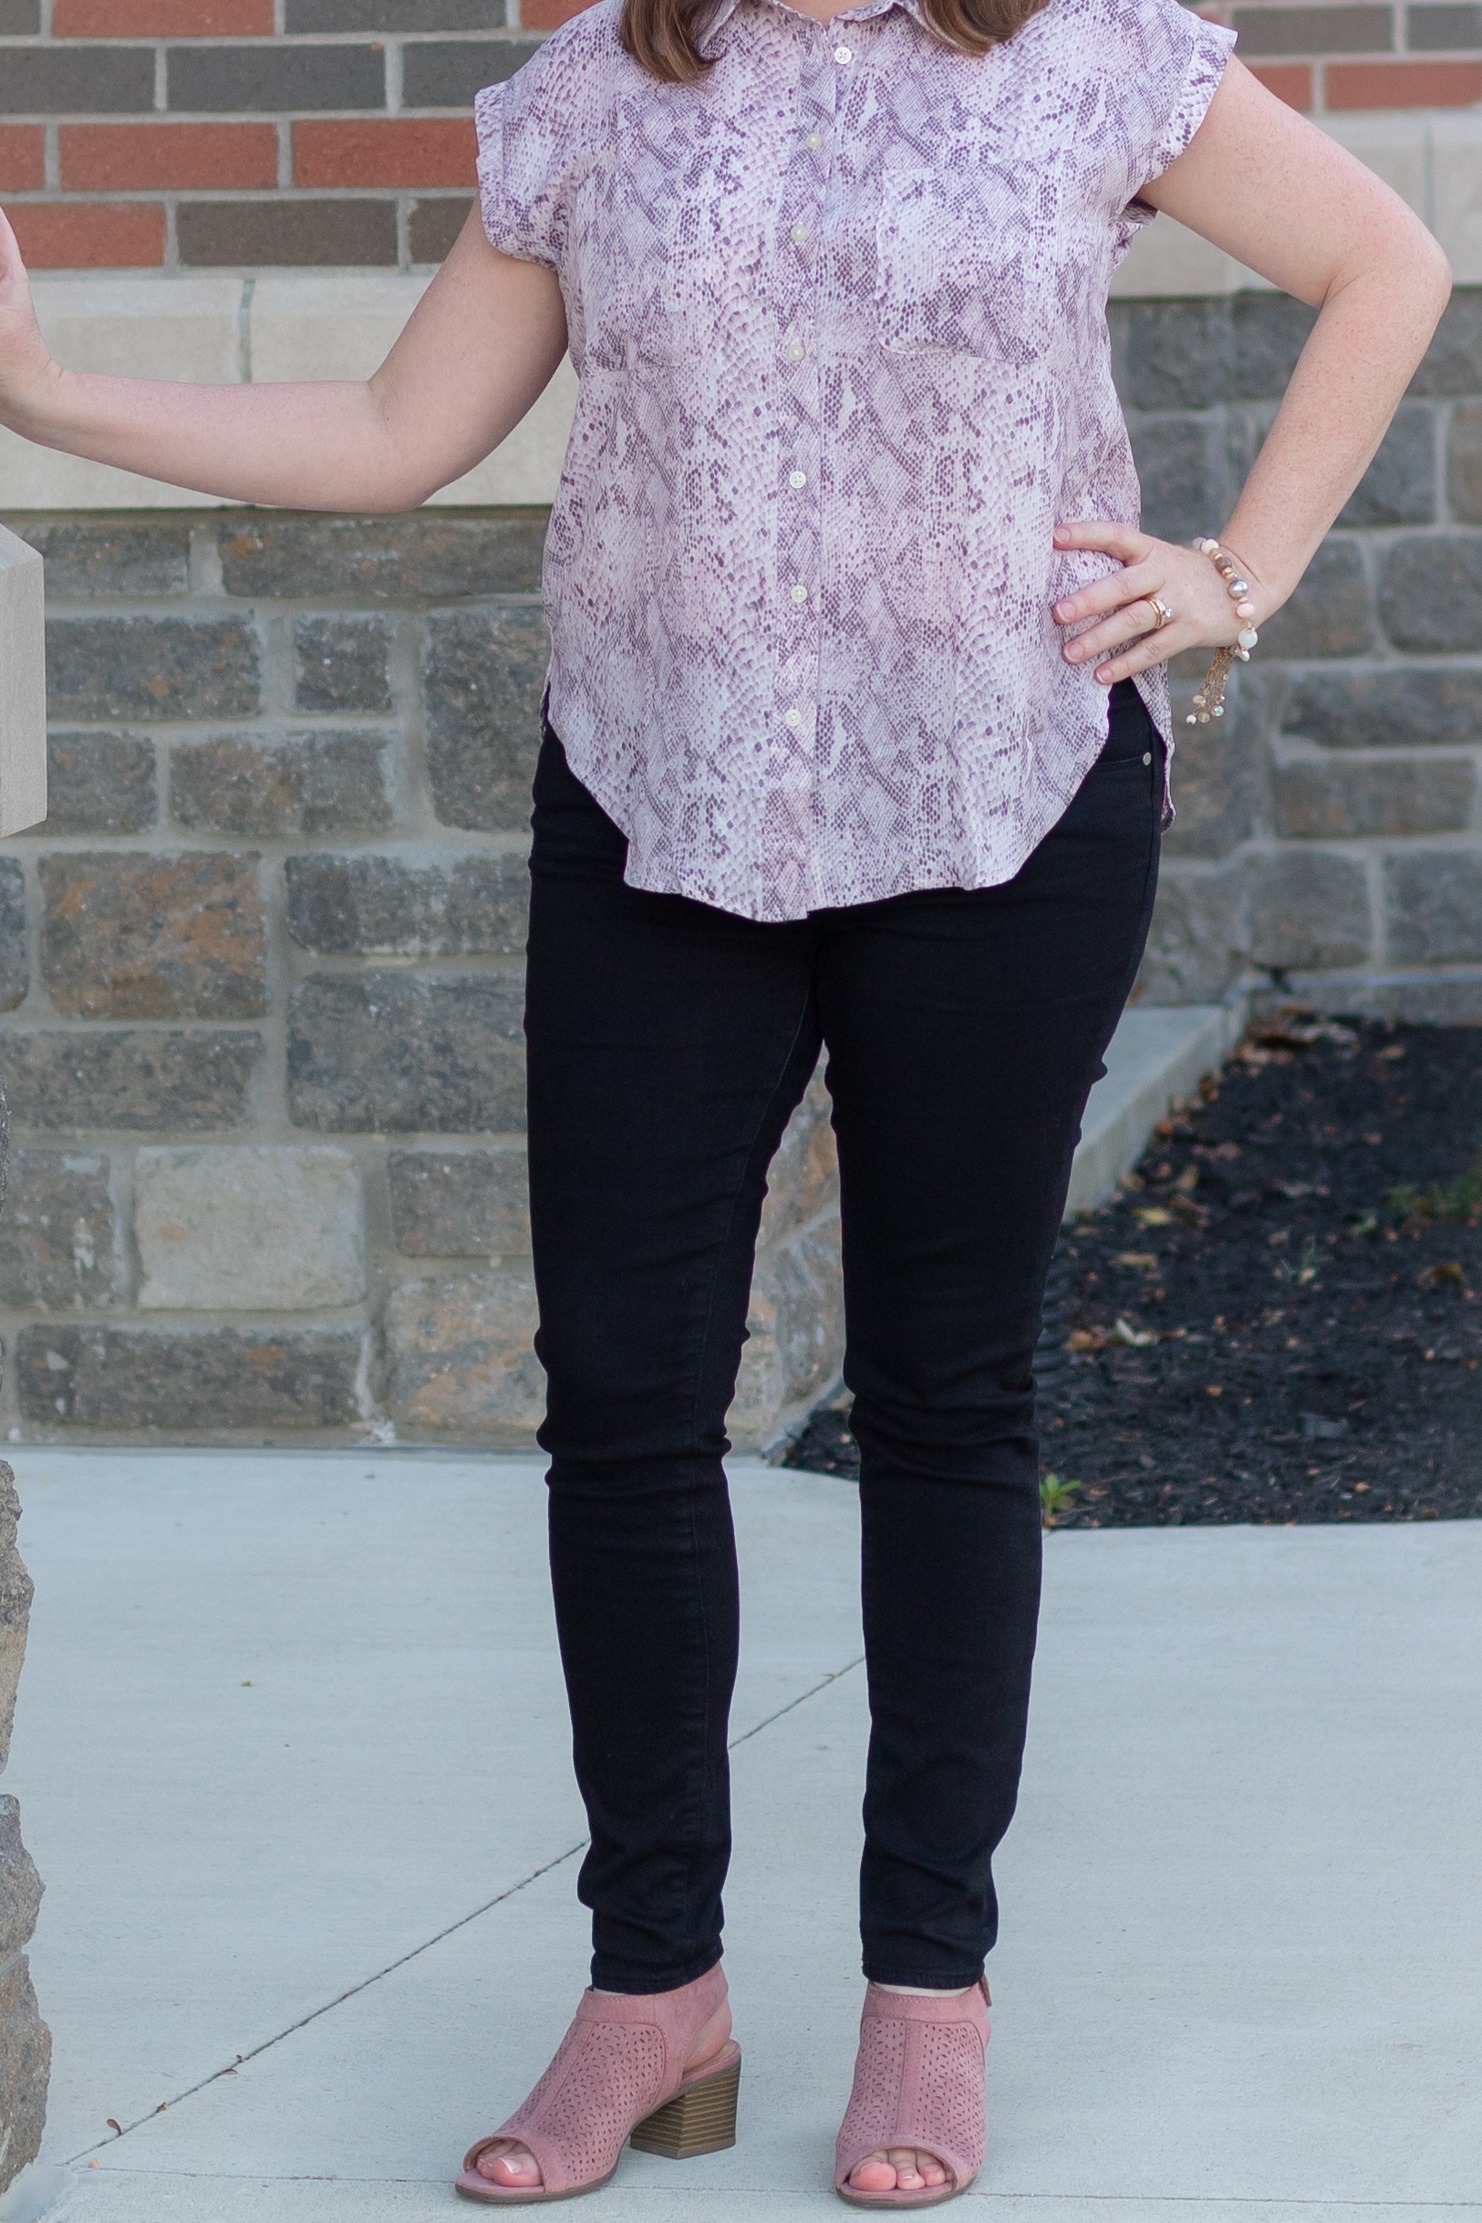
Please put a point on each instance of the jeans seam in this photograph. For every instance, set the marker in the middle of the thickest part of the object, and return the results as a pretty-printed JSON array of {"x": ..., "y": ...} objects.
[{"x": 700, "y": 1365}]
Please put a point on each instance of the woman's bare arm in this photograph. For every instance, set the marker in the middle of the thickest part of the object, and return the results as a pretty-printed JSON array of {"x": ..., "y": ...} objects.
[
  {"x": 1275, "y": 192},
  {"x": 480, "y": 347}
]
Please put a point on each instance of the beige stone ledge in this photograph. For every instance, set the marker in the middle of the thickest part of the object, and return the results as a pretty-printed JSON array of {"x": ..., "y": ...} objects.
[
  {"x": 313, "y": 324},
  {"x": 1432, "y": 160},
  {"x": 290, "y": 324}
]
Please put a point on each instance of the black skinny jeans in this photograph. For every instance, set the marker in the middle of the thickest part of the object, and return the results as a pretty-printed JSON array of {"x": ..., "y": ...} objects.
[{"x": 668, "y": 1044}]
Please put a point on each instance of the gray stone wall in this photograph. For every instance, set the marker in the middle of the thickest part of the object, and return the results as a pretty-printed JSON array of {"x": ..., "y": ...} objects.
[
  {"x": 25, "y": 2041},
  {"x": 261, "y": 986},
  {"x": 1329, "y": 837},
  {"x": 260, "y": 971}
]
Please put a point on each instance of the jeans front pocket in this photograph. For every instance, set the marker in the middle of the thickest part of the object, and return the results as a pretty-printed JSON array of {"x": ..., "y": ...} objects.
[{"x": 960, "y": 265}]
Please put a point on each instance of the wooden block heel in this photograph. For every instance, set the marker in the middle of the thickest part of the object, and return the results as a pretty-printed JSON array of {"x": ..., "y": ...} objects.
[{"x": 700, "y": 2119}]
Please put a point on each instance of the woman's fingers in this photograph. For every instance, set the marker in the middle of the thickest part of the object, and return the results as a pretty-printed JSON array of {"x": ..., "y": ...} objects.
[
  {"x": 1142, "y": 654},
  {"x": 1133, "y": 584},
  {"x": 1126, "y": 624},
  {"x": 1108, "y": 538}
]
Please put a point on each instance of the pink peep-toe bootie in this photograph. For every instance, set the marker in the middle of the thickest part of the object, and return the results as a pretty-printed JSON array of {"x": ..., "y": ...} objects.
[
  {"x": 619, "y": 2074},
  {"x": 918, "y": 2081}
]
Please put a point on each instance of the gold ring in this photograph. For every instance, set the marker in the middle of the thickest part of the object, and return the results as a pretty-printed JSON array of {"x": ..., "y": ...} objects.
[{"x": 1162, "y": 615}]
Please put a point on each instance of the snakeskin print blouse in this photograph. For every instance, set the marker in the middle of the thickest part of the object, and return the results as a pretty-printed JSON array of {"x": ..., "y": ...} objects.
[{"x": 838, "y": 315}]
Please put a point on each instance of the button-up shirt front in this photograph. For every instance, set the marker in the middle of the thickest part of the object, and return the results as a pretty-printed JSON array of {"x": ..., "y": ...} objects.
[{"x": 838, "y": 317}]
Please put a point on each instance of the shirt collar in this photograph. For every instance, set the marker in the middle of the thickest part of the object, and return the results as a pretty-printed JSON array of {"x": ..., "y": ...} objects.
[{"x": 864, "y": 13}]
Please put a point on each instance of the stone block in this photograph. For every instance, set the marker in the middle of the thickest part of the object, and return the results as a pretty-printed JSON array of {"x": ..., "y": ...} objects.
[
  {"x": 143, "y": 937},
  {"x": 1308, "y": 908},
  {"x": 803, "y": 1178},
  {"x": 460, "y": 1354},
  {"x": 288, "y": 234},
  {"x": 14, "y": 973},
  {"x": 25, "y": 2067},
  {"x": 395, "y": 1054},
  {"x": 1181, "y": 464},
  {"x": 1176, "y": 354},
  {"x": 342, "y": 663},
  {"x": 391, "y": 906},
  {"x": 1451, "y": 360},
  {"x": 16, "y": 1592},
  {"x": 447, "y": 73},
  {"x": 91, "y": 556},
  {"x": 66, "y": 80},
  {"x": 433, "y": 226},
  {"x": 100, "y": 668},
  {"x": 380, "y": 16},
  {"x": 1399, "y": 487},
  {"x": 1198, "y": 943},
  {"x": 416, "y": 557},
  {"x": 1270, "y": 333},
  {"x": 484, "y": 674},
  {"x": 1433, "y": 901},
  {"x": 1319, "y": 796},
  {"x": 264, "y": 78},
  {"x": 1430, "y": 593},
  {"x": 1442, "y": 1002},
  {"x": 99, "y": 783},
  {"x": 189, "y": 1381},
  {"x": 58, "y": 1232},
  {"x": 1329, "y": 613},
  {"x": 1464, "y": 461},
  {"x": 459, "y": 1203},
  {"x": 795, "y": 1335},
  {"x": 240, "y": 1229},
  {"x": 1214, "y": 767},
  {"x": 130, "y": 1078},
  {"x": 20, "y": 1886},
  {"x": 306, "y": 783},
  {"x": 1408, "y": 707}
]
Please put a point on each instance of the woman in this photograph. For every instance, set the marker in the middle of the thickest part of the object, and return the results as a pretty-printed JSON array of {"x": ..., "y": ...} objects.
[{"x": 857, "y": 738}]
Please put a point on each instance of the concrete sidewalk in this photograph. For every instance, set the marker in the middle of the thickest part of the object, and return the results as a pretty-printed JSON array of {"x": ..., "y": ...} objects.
[{"x": 292, "y": 1759}]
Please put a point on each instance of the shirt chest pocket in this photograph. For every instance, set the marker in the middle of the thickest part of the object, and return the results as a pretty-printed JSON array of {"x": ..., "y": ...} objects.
[{"x": 961, "y": 263}]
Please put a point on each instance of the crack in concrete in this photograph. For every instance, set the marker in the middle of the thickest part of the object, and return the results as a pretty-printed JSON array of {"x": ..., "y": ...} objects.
[{"x": 450, "y": 1930}]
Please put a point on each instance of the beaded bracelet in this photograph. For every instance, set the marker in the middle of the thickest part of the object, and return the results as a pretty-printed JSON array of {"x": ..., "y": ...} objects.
[{"x": 1210, "y": 700}]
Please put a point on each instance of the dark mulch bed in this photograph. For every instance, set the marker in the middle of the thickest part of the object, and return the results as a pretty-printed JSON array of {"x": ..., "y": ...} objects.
[{"x": 1280, "y": 1317}]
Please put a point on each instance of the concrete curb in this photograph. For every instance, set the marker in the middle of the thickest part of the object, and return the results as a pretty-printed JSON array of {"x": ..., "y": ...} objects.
[{"x": 1154, "y": 1056}]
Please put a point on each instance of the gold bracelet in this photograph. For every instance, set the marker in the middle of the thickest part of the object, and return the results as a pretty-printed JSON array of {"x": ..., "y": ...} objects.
[{"x": 1210, "y": 700}]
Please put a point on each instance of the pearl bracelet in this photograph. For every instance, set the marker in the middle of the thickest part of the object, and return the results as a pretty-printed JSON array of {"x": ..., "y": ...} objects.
[{"x": 1210, "y": 700}]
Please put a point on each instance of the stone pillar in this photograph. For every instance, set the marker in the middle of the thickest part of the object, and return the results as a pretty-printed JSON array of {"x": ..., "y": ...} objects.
[{"x": 25, "y": 2041}]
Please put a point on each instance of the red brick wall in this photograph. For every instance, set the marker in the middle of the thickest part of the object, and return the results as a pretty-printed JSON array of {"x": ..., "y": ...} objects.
[
  {"x": 1338, "y": 55},
  {"x": 252, "y": 133}
]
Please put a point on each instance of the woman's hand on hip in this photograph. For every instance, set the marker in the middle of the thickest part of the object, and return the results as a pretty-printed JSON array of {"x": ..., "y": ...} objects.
[{"x": 1131, "y": 632}]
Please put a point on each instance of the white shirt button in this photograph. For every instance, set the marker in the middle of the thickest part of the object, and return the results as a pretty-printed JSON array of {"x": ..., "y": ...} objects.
[
  {"x": 800, "y": 594},
  {"x": 843, "y": 54},
  {"x": 794, "y": 351},
  {"x": 1148, "y": 758},
  {"x": 813, "y": 140},
  {"x": 800, "y": 235},
  {"x": 793, "y": 718},
  {"x": 797, "y": 479}
]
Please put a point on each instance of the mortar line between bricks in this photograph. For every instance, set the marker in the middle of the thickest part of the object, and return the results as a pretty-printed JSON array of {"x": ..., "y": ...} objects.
[{"x": 451, "y": 1929}]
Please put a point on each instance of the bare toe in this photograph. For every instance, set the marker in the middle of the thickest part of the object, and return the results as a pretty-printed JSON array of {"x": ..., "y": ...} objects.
[
  {"x": 874, "y": 2174},
  {"x": 513, "y": 2166},
  {"x": 908, "y": 2177}
]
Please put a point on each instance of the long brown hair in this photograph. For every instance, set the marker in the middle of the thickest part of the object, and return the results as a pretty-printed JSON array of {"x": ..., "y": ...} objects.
[{"x": 665, "y": 35}]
